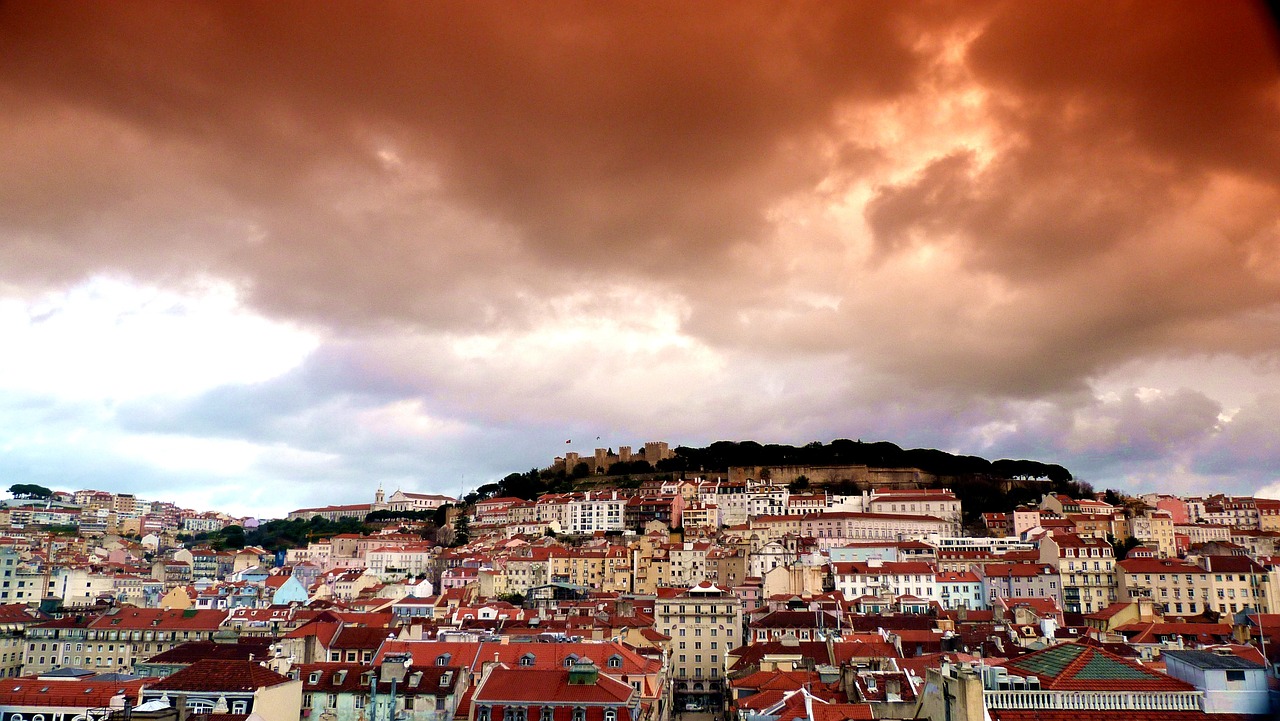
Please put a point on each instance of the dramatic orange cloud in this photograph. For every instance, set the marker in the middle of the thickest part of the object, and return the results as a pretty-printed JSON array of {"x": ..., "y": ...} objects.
[{"x": 972, "y": 225}]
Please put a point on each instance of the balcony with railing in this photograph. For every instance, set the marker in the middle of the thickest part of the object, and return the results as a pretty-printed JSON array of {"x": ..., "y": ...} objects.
[{"x": 1094, "y": 700}]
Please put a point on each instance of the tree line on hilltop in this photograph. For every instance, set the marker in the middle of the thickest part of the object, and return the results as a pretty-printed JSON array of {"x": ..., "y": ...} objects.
[{"x": 978, "y": 481}]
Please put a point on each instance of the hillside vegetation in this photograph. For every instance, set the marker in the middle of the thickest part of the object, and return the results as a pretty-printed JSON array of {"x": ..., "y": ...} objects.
[{"x": 982, "y": 485}]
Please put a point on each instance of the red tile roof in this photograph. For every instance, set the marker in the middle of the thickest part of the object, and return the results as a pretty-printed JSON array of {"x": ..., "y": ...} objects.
[
  {"x": 215, "y": 675},
  {"x": 534, "y": 686},
  {"x": 1082, "y": 667},
  {"x": 543, "y": 655},
  {"x": 87, "y": 693},
  {"x": 1149, "y": 632},
  {"x": 137, "y": 619},
  {"x": 245, "y": 649}
]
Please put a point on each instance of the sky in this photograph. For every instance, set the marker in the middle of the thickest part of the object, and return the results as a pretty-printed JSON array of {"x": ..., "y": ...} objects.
[{"x": 263, "y": 256}]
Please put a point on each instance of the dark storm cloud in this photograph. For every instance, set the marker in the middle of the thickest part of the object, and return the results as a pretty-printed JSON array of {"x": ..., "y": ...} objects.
[
  {"x": 916, "y": 217},
  {"x": 591, "y": 128}
]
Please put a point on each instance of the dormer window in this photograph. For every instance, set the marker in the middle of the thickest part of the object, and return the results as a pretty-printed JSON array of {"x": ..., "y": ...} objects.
[
  {"x": 615, "y": 661},
  {"x": 314, "y": 677},
  {"x": 442, "y": 659},
  {"x": 579, "y": 714},
  {"x": 527, "y": 659},
  {"x": 570, "y": 660}
]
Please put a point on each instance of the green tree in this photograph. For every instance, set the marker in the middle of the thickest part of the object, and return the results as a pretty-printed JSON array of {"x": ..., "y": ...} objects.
[
  {"x": 1121, "y": 549},
  {"x": 30, "y": 490},
  {"x": 799, "y": 484},
  {"x": 441, "y": 514},
  {"x": 461, "y": 530},
  {"x": 232, "y": 537}
]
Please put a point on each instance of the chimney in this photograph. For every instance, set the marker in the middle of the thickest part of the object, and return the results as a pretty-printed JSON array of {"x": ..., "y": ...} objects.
[{"x": 583, "y": 673}]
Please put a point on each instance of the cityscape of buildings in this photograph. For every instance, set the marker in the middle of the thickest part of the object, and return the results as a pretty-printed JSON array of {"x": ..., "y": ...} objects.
[
  {"x": 286, "y": 287},
  {"x": 726, "y": 596}
]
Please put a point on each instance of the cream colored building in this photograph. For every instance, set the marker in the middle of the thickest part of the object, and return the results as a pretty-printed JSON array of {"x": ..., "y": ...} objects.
[
  {"x": 1086, "y": 567},
  {"x": 1155, "y": 527},
  {"x": 1221, "y": 584},
  {"x": 1202, "y": 532},
  {"x": 704, "y": 624},
  {"x": 1268, "y": 514},
  {"x": 651, "y": 565}
]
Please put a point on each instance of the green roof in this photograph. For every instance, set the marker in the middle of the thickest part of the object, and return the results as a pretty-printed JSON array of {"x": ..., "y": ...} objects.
[
  {"x": 1100, "y": 667},
  {"x": 1079, "y": 666},
  {"x": 1051, "y": 662}
]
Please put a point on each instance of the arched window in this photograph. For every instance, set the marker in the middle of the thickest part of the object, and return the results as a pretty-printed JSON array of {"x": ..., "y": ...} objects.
[
  {"x": 579, "y": 714},
  {"x": 615, "y": 661}
]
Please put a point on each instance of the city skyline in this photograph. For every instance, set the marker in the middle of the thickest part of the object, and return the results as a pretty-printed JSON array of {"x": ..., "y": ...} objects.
[{"x": 261, "y": 258}]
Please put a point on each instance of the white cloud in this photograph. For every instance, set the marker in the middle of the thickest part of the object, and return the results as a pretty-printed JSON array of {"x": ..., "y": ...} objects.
[{"x": 112, "y": 339}]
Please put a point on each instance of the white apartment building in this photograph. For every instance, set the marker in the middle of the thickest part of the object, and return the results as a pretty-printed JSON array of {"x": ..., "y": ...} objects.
[
  {"x": 392, "y": 563},
  {"x": 870, "y": 578},
  {"x": 842, "y": 527},
  {"x": 936, "y": 502},
  {"x": 597, "y": 512},
  {"x": 960, "y": 589}
]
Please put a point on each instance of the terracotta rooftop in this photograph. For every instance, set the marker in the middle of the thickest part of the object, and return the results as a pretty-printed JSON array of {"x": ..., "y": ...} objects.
[
  {"x": 541, "y": 686},
  {"x": 193, "y": 651},
  {"x": 91, "y": 692},
  {"x": 214, "y": 675},
  {"x": 1080, "y": 667}
]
